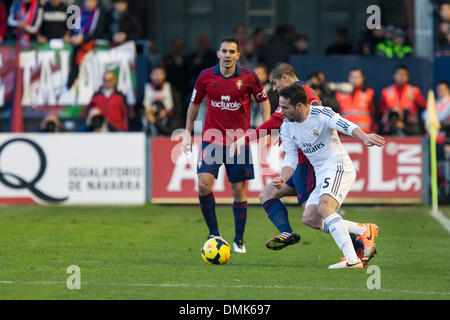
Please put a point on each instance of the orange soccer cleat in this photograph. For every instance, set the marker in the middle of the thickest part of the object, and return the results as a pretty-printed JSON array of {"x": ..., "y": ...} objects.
[{"x": 368, "y": 239}]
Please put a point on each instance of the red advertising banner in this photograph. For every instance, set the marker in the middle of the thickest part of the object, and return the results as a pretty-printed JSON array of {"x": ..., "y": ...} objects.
[{"x": 392, "y": 174}]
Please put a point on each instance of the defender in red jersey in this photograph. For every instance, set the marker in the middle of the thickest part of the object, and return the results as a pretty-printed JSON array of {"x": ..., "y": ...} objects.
[
  {"x": 301, "y": 184},
  {"x": 228, "y": 89}
]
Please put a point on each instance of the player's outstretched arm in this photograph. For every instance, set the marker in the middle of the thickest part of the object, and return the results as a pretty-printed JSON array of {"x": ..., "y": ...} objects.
[
  {"x": 370, "y": 139},
  {"x": 192, "y": 114},
  {"x": 335, "y": 121}
]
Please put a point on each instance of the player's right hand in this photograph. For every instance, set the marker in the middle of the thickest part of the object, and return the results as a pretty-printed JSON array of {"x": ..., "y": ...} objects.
[
  {"x": 187, "y": 142},
  {"x": 374, "y": 140},
  {"x": 279, "y": 182}
]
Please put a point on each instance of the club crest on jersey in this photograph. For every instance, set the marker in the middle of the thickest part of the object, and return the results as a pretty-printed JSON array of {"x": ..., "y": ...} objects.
[
  {"x": 315, "y": 133},
  {"x": 239, "y": 84}
]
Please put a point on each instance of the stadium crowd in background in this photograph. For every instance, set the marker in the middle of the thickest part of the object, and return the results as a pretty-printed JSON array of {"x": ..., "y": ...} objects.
[
  {"x": 3, "y": 21},
  {"x": 400, "y": 106},
  {"x": 54, "y": 22},
  {"x": 124, "y": 25},
  {"x": 443, "y": 29},
  {"x": 167, "y": 94},
  {"x": 357, "y": 105},
  {"x": 25, "y": 17},
  {"x": 162, "y": 111},
  {"x": 108, "y": 109}
]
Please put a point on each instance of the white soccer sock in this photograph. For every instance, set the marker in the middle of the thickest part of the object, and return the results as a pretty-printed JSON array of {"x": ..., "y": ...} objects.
[
  {"x": 352, "y": 227},
  {"x": 340, "y": 234},
  {"x": 356, "y": 228}
]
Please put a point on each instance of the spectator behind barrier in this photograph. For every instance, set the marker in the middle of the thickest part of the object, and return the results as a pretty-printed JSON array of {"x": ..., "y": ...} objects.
[
  {"x": 51, "y": 124},
  {"x": 341, "y": 46},
  {"x": 443, "y": 30},
  {"x": 112, "y": 105},
  {"x": 54, "y": 22},
  {"x": 161, "y": 91},
  {"x": 259, "y": 38},
  {"x": 124, "y": 25},
  {"x": 177, "y": 67},
  {"x": 160, "y": 122},
  {"x": 279, "y": 47},
  {"x": 395, "y": 46},
  {"x": 263, "y": 76},
  {"x": 249, "y": 56},
  {"x": 240, "y": 34},
  {"x": 357, "y": 106},
  {"x": 318, "y": 83},
  {"x": 93, "y": 25},
  {"x": 26, "y": 17},
  {"x": 301, "y": 44},
  {"x": 3, "y": 21},
  {"x": 370, "y": 40},
  {"x": 400, "y": 106},
  {"x": 95, "y": 121},
  {"x": 203, "y": 58},
  {"x": 442, "y": 108},
  {"x": 443, "y": 105}
]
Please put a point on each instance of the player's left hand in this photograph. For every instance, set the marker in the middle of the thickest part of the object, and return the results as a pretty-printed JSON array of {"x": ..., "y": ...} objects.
[{"x": 374, "y": 140}]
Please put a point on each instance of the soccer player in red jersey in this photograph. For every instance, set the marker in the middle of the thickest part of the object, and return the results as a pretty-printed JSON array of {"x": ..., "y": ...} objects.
[
  {"x": 229, "y": 89},
  {"x": 301, "y": 184}
]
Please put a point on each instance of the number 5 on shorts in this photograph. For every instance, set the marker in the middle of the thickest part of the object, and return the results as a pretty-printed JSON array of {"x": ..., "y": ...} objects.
[{"x": 326, "y": 183}]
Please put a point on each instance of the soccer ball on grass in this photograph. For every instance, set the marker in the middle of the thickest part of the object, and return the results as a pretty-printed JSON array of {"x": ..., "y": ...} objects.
[{"x": 216, "y": 251}]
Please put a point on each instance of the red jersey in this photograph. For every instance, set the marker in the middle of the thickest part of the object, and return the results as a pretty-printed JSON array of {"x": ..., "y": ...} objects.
[
  {"x": 277, "y": 119},
  {"x": 228, "y": 102},
  {"x": 114, "y": 109}
]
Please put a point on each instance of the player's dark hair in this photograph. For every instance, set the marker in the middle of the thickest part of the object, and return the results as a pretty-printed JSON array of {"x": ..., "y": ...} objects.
[
  {"x": 229, "y": 40},
  {"x": 401, "y": 67},
  {"x": 295, "y": 94},
  {"x": 281, "y": 68}
]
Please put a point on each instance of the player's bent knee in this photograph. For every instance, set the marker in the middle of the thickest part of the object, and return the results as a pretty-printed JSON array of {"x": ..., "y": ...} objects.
[
  {"x": 327, "y": 205},
  {"x": 204, "y": 188}
]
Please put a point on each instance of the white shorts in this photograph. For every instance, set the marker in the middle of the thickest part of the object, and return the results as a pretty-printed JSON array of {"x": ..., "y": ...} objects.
[{"x": 336, "y": 182}]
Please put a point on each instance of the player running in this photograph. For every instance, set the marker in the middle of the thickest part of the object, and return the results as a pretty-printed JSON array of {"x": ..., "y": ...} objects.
[
  {"x": 229, "y": 89},
  {"x": 313, "y": 129},
  {"x": 301, "y": 184}
]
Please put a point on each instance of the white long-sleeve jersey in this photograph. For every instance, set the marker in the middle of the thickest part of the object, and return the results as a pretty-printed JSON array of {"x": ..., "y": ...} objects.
[{"x": 317, "y": 138}]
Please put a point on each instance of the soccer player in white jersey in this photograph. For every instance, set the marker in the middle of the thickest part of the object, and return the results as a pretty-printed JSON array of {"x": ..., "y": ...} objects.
[{"x": 313, "y": 129}]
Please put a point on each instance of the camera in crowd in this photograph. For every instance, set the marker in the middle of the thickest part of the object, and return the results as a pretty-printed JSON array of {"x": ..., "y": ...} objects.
[
  {"x": 394, "y": 117},
  {"x": 97, "y": 122},
  {"x": 51, "y": 124}
]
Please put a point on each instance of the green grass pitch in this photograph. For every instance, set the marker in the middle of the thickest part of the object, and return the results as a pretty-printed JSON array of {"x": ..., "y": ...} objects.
[{"x": 153, "y": 252}]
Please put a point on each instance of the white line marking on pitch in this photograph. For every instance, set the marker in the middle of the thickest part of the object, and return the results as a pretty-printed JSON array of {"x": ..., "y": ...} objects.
[
  {"x": 439, "y": 216},
  {"x": 186, "y": 285}
]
